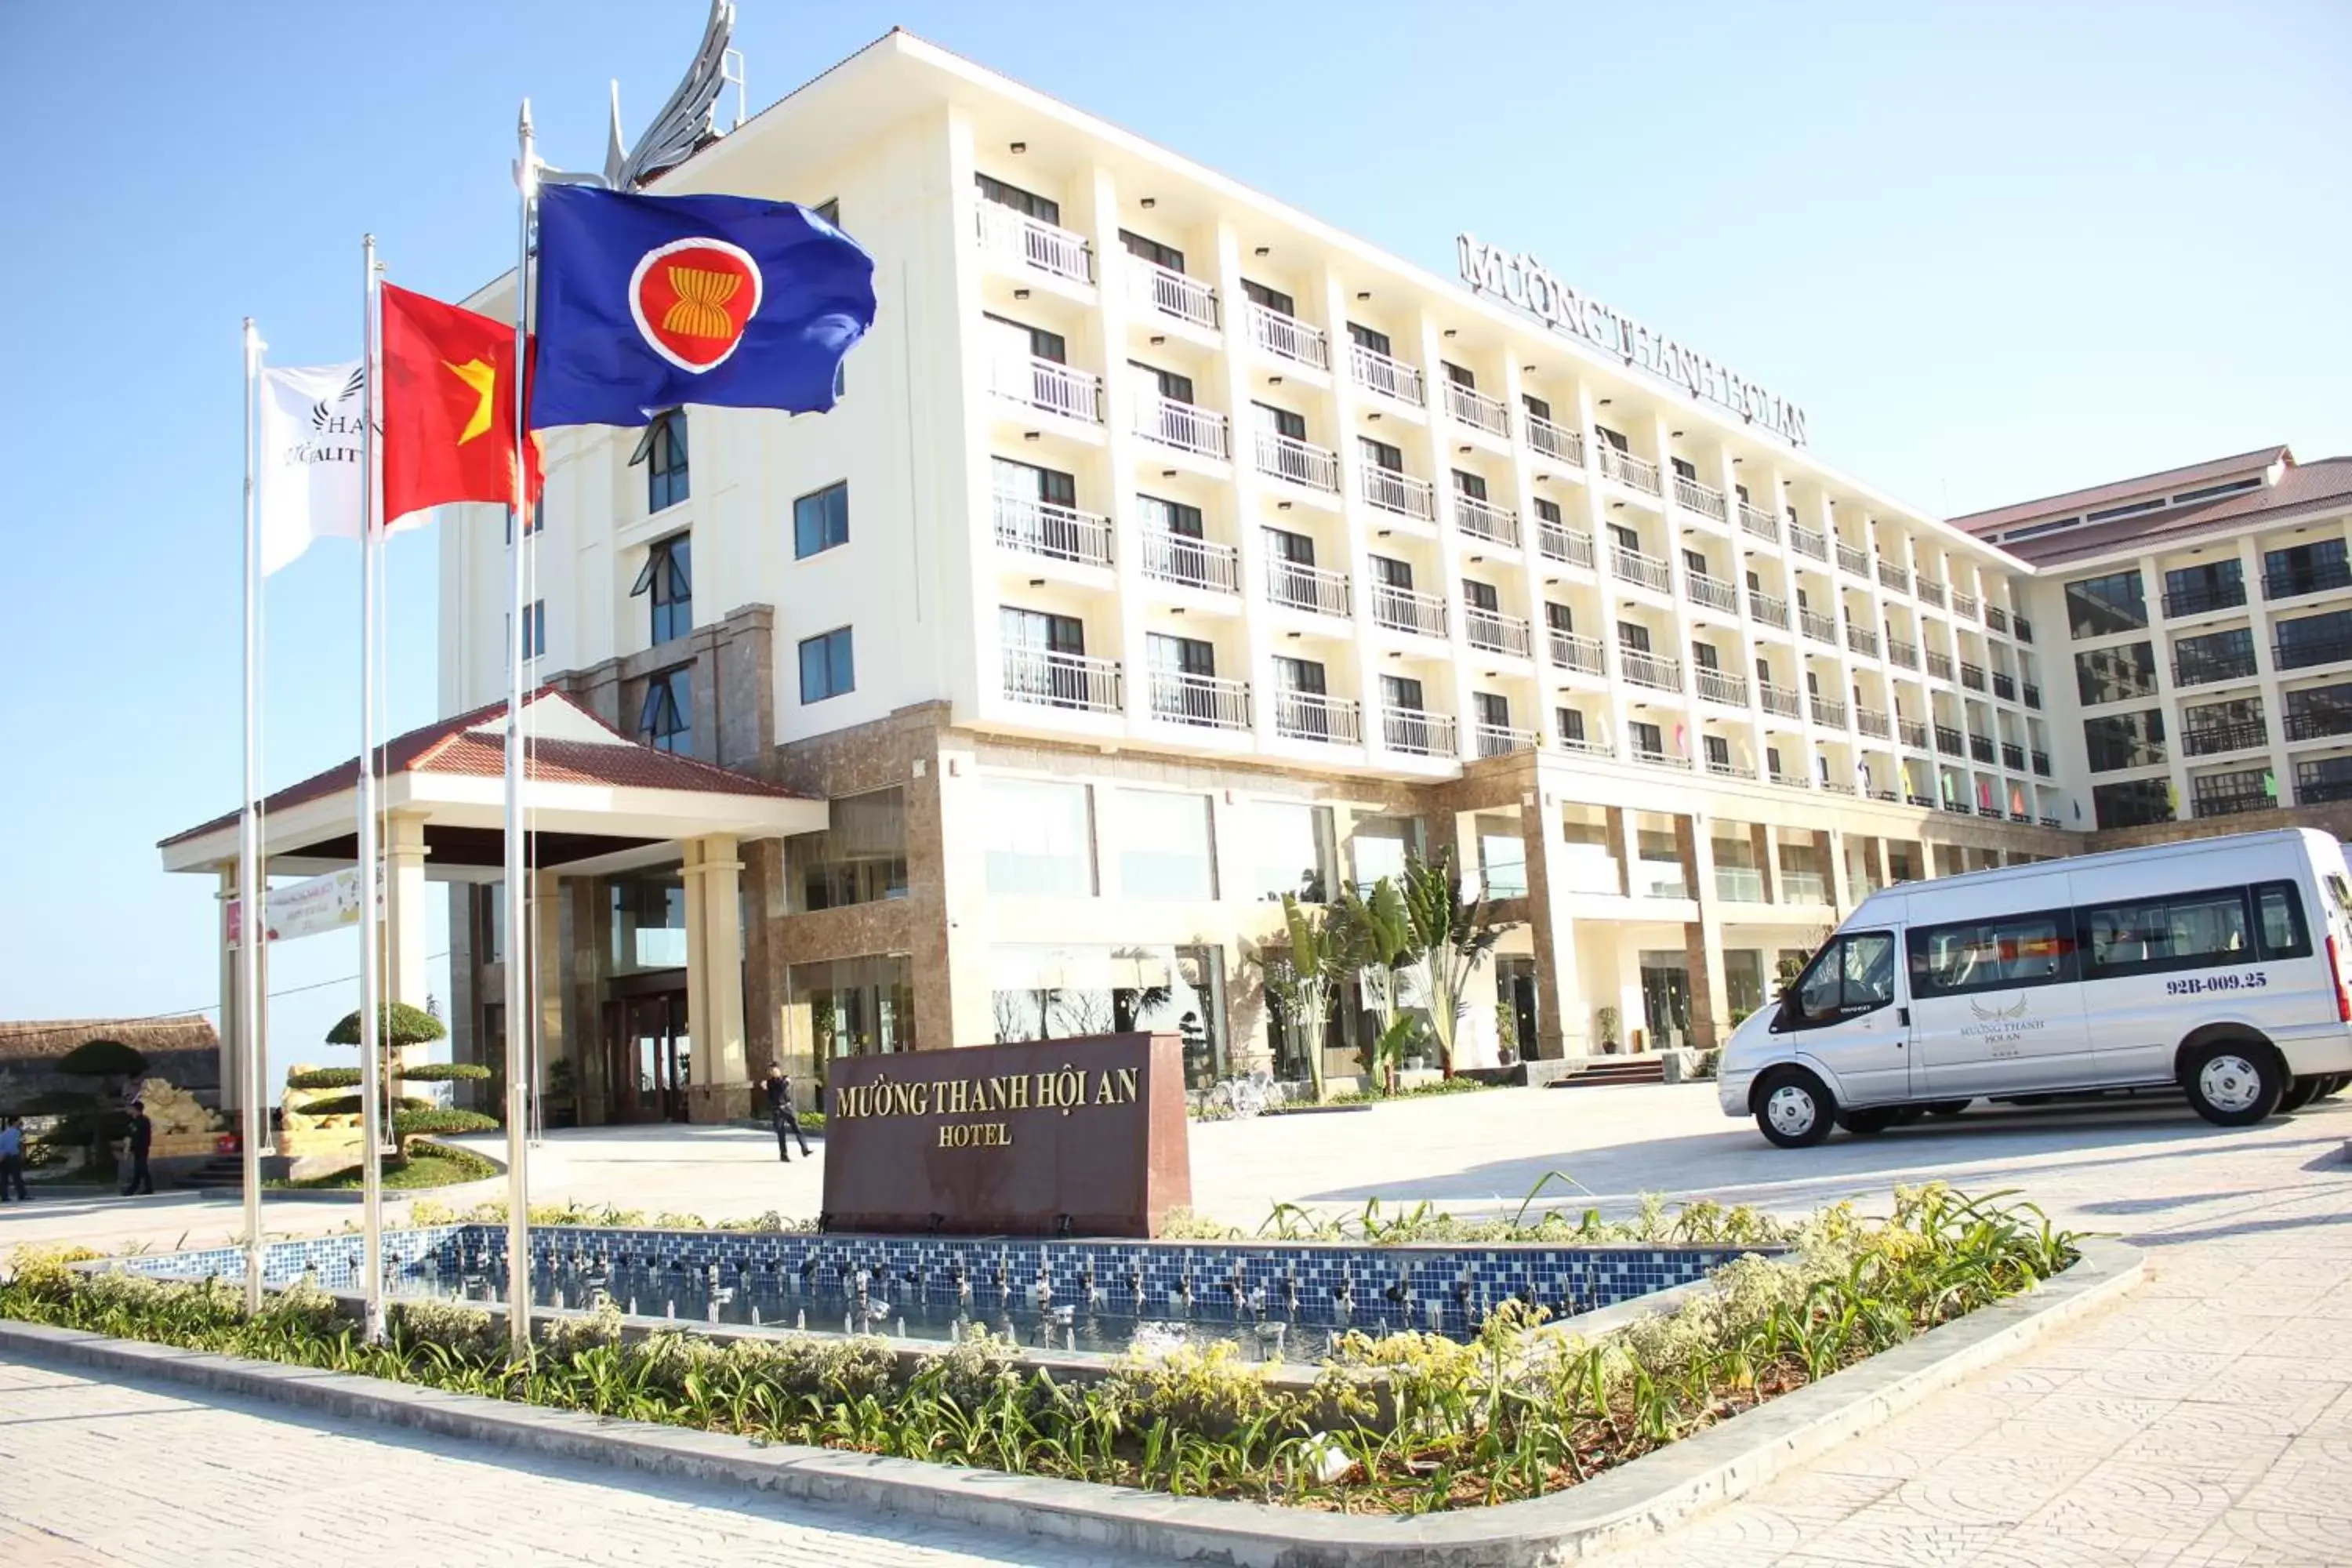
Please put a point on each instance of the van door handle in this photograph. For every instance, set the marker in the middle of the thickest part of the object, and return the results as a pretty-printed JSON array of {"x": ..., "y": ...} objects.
[{"x": 1903, "y": 1017}]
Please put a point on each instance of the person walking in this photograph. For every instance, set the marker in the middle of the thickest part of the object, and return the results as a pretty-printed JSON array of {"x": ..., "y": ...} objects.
[
  {"x": 11, "y": 1160},
  {"x": 781, "y": 1115},
  {"x": 143, "y": 1137}
]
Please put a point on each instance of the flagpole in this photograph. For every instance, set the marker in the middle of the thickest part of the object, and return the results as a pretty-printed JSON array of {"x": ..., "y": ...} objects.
[
  {"x": 370, "y": 1069},
  {"x": 518, "y": 959},
  {"x": 255, "y": 913}
]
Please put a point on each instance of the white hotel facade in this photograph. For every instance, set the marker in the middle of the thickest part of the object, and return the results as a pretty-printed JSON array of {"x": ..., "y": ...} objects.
[{"x": 1169, "y": 550}]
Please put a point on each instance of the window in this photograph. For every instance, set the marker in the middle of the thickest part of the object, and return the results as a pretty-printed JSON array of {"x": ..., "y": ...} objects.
[
  {"x": 2096, "y": 606},
  {"x": 1458, "y": 374},
  {"x": 665, "y": 723},
  {"x": 820, "y": 520},
  {"x": 1022, "y": 341},
  {"x": 1382, "y": 845},
  {"x": 1703, "y": 655},
  {"x": 2314, "y": 639},
  {"x": 1273, "y": 299},
  {"x": 2305, "y": 568},
  {"x": 1559, "y": 618},
  {"x": 1365, "y": 337},
  {"x": 2220, "y": 656},
  {"x": 1391, "y": 573},
  {"x": 1380, "y": 455},
  {"x": 1615, "y": 438},
  {"x": 1535, "y": 406},
  {"x": 1180, "y": 655},
  {"x": 1571, "y": 725},
  {"x": 860, "y": 859},
  {"x": 2213, "y": 585},
  {"x": 1152, "y": 250},
  {"x": 1632, "y": 636},
  {"x": 1649, "y": 740},
  {"x": 1481, "y": 595},
  {"x": 1993, "y": 956},
  {"x": 1042, "y": 208},
  {"x": 669, "y": 577},
  {"x": 2125, "y": 740},
  {"x": 1502, "y": 856},
  {"x": 1170, "y": 516},
  {"x": 1627, "y": 539},
  {"x": 2134, "y": 805},
  {"x": 1548, "y": 512},
  {"x": 1171, "y": 386},
  {"x": 1470, "y": 485},
  {"x": 1719, "y": 753},
  {"x": 1851, "y": 974},
  {"x": 826, "y": 668},
  {"x": 1297, "y": 549},
  {"x": 534, "y": 630},
  {"x": 1493, "y": 710},
  {"x": 1038, "y": 838},
  {"x": 1027, "y": 482},
  {"x": 537, "y": 523},
  {"x": 2278, "y": 909},
  {"x": 2113, "y": 674},
  {"x": 662, "y": 449},
  {"x": 1291, "y": 850},
  {"x": 2188, "y": 931},
  {"x": 1280, "y": 421},
  {"x": 1401, "y": 694},
  {"x": 1684, "y": 470},
  {"x": 1163, "y": 843},
  {"x": 1299, "y": 675},
  {"x": 648, "y": 921}
]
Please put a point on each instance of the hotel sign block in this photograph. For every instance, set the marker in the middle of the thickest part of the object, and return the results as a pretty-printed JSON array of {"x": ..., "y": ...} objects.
[{"x": 1081, "y": 1137}]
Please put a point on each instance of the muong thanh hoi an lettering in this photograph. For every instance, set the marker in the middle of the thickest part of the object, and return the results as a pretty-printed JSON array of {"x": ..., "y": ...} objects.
[{"x": 1064, "y": 1090}]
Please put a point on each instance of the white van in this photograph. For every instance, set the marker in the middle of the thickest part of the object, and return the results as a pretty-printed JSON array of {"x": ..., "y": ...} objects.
[{"x": 2216, "y": 964}]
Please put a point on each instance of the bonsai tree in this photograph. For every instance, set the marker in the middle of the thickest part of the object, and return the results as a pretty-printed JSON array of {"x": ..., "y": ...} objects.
[
  {"x": 1302, "y": 979},
  {"x": 112, "y": 1062},
  {"x": 1451, "y": 941},
  {"x": 94, "y": 1118},
  {"x": 1376, "y": 939},
  {"x": 398, "y": 1026}
]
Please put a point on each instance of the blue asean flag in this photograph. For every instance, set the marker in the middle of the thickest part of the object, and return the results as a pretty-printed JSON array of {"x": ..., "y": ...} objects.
[{"x": 645, "y": 302}]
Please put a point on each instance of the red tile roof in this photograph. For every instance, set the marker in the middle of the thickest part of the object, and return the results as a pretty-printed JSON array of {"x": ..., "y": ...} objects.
[
  {"x": 2118, "y": 490},
  {"x": 2304, "y": 487}
]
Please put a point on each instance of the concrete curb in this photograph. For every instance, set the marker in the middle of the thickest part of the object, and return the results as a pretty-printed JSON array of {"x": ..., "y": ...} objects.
[{"x": 1649, "y": 1495}]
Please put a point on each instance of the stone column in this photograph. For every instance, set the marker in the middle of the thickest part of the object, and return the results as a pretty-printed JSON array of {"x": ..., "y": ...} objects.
[
  {"x": 1703, "y": 938},
  {"x": 1830, "y": 845},
  {"x": 1764, "y": 845},
  {"x": 547, "y": 964},
  {"x": 947, "y": 881},
  {"x": 1560, "y": 1023},
  {"x": 1623, "y": 844},
  {"x": 721, "y": 1088},
  {"x": 405, "y": 976},
  {"x": 231, "y": 1072}
]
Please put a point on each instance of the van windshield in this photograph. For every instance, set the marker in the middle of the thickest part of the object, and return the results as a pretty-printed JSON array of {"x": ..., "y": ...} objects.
[{"x": 1851, "y": 974}]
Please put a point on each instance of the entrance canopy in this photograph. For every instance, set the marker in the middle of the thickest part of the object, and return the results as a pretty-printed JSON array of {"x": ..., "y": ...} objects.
[{"x": 594, "y": 800}]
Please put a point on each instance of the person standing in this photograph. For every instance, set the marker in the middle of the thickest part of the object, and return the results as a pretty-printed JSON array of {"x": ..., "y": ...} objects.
[
  {"x": 781, "y": 1114},
  {"x": 11, "y": 1160},
  {"x": 143, "y": 1137}
]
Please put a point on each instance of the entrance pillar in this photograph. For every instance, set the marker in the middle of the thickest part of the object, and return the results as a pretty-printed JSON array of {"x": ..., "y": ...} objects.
[
  {"x": 404, "y": 970},
  {"x": 1703, "y": 938},
  {"x": 1559, "y": 991},
  {"x": 232, "y": 1066},
  {"x": 720, "y": 1090},
  {"x": 547, "y": 965}
]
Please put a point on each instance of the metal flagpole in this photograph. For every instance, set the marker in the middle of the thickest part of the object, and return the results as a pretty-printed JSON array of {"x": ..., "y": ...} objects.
[
  {"x": 518, "y": 961},
  {"x": 254, "y": 925},
  {"x": 370, "y": 1069}
]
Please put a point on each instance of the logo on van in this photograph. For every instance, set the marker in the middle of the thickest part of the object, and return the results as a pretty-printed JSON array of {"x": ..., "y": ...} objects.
[{"x": 1990, "y": 1015}]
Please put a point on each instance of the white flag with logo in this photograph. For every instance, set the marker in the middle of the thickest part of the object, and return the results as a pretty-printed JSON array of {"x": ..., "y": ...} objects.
[{"x": 309, "y": 478}]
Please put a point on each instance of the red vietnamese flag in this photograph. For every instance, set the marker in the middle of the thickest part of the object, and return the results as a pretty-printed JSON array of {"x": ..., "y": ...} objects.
[{"x": 448, "y": 406}]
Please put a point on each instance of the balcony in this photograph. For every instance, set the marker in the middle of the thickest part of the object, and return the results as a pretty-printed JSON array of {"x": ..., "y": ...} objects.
[
  {"x": 1388, "y": 377},
  {"x": 1491, "y": 631},
  {"x": 1171, "y": 293},
  {"x": 1780, "y": 700},
  {"x": 1894, "y": 576},
  {"x": 1818, "y": 626},
  {"x": 1929, "y": 591},
  {"x": 1570, "y": 650},
  {"x": 1722, "y": 686},
  {"x": 1295, "y": 585},
  {"x": 2289, "y": 583},
  {"x": 2304, "y": 652},
  {"x": 1302, "y": 463},
  {"x": 1502, "y": 740},
  {"x": 1017, "y": 237},
  {"x": 1596, "y": 747},
  {"x": 2328, "y": 719},
  {"x": 1905, "y": 654},
  {"x": 2012, "y": 756},
  {"x": 1555, "y": 440},
  {"x": 1764, "y": 607},
  {"x": 2033, "y": 695},
  {"x": 1408, "y": 610},
  {"x": 1649, "y": 669},
  {"x": 2201, "y": 601},
  {"x": 1186, "y": 426},
  {"x": 1649, "y": 570},
  {"x": 1805, "y": 542},
  {"x": 1061, "y": 681},
  {"x": 1203, "y": 701},
  {"x": 1662, "y": 760},
  {"x": 1560, "y": 543},
  {"x": 1980, "y": 748},
  {"x": 1311, "y": 716},
  {"x": 1861, "y": 640},
  {"x": 1873, "y": 722},
  {"x": 1055, "y": 532},
  {"x": 2233, "y": 793},
  {"x": 1046, "y": 385},
  {"x": 1738, "y": 884},
  {"x": 2004, "y": 687},
  {"x": 1964, "y": 606},
  {"x": 2023, "y": 627},
  {"x": 2041, "y": 763},
  {"x": 1912, "y": 732},
  {"x": 1939, "y": 665},
  {"x": 1802, "y": 888},
  {"x": 1711, "y": 591},
  {"x": 1948, "y": 741},
  {"x": 1484, "y": 519},
  {"x": 1972, "y": 675},
  {"x": 1828, "y": 712},
  {"x": 1704, "y": 499},
  {"x": 1996, "y": 617},
  {"x": 1288, "y": 336},
  {"x": 1760, "y": 522},
  {"x": 1728, "y": 767},
  {"x": 1386, "y": 490},
  {"x": 1417, "y": 732},
  {"x": 2316, "y": 783},
  {"x": 2204, "y": 669},
  {"x": 1191, "y": 562},
  {"x": 1468, "y": 405},
  {"x": 2210, "y": 740},
  {"x": 1632, "y": 472},
  {"x": 1852, "y": 558}
]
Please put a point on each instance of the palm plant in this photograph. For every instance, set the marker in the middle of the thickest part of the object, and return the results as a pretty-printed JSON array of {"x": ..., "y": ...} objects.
[
  {"x": 1302, "y": 981},
  {"x": 1451, "y": 941},
  {"x": 1377, "y": 941}
]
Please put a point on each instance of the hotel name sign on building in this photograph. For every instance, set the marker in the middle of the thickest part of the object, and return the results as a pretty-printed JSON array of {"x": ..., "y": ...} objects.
[{"x": 1520, "y": 280}]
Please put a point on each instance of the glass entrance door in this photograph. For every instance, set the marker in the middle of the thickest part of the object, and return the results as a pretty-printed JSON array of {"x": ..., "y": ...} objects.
[
  {"x": 649, "y": 1057},
  {"x": 1666, "y": 999}
]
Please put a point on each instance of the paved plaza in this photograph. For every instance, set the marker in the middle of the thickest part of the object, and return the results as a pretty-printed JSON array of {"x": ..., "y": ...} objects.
[{"x": 2205, "y": 1420}]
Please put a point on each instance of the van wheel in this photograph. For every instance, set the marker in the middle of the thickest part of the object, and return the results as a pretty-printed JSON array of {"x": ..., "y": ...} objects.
[
  {"x": 2302, "y": 1093},
  {"x": 2234, "y": 1083},
  {"x": 1863, "y": 1123},
  {"x": 1792, "y": 1109},
  {"x": 1947, "y": 1108}
]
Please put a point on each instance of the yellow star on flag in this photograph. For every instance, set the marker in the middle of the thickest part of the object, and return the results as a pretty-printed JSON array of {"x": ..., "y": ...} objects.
[{"x": 484, "y": 380}]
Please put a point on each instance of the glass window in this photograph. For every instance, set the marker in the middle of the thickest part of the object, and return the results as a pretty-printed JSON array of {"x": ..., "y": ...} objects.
[
  {"x": 1152, "y": 250},
  {"x": 860, "y": 859},
  {"x": 1381, "y": 846},
  {"x": 2098, "y": 606},
  {"x": 2280, "y": 908},
  {"x": 2125, "y": 740},
  {"x": 848, "y": 1007},
  {"x": 1290, "y": 849},
  {"x": 665, "y": 721},
  {"x": 1365, "y": 337},
  {"x": 1380, "y": 455},
  {"x": 662, "y": 449},
  {"x": 1054, "y": 992},
  {"x": 1502, "y": 857},
  {"x": 1042, "y": 208},
  {"x": 2192, "y": 931},
  {"x": 1992, "y": 955},
  {"x": 1161, "y": 840},
  {"x": 820, "y": 520},
  {"x": 2113, "y": 674},
  {"x": 2305, "y": 568},
  {"x": 2219, "y": 656},
  {"x": 1170, "y": 516},
  {"x": 1039, "y": 839},
  {"x": 828, "y": 667},
  {"x": 1850, "y": 975},
  {"x": 1282, "y": 422},
  {"x": 2314, "y": 639},
  {"x": 1273, "y": 299},
  {"x": 648, "y": 921},
  {"x": 668, "y": 578},
  {"x": 2133, "y": 804},
  {"x": 2208, "y": 585}
]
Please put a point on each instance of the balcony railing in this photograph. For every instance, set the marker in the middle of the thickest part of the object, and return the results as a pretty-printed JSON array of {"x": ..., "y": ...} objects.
[
  {"x": 1591, "y": 746},
  {"x": 1929, "y": 591},
  {"x": 2032, "y": 694},
  {"x": 1871, "y": 722},
  {"x": 1485, "y": 520},
  {"x": 1964, "y": 606},
  {"x": 1171, "y": 293},
  {"x": 1649, "y": 570},
  {"x": 2022, "y": 627},
  {"x": 1972, "y": 675},
  {"x": 1760, "y": 522},
  {"x": 1288, "y": 336},
  {"x": 2238, "y": 735},
  {"x": 1061, "y": 679},
  {"x": 1905, "y": 654},
  {"x": 1818, "y": 626},
  {"x": 1311, "y": 716},
  {"x": 1912, "y": 732},
  {"x": 1704, "y": 500},
  {"x": 1802, "y": 888},
  {"x": 1852, "y": 558},
  {"x": 1194, "y": 563},
  {"x": 1634, "y": 473},
  {"x": 1980, "y": 748},
  {"x": 1649, "y": 669},
  {"x": 2012, "y": 756},
  {"x": 1295, "y": 585},
  {"x": 1948, "y": 741},
  {"x": 1302, "y": 463},
  {"x": 1711, "y": 591},
  {"x": 1763, "y": 606},
  {"x": 2198, "y": 601},
  {"x": 1494, "y": 632},
  {"x": 1475, "y": 408},
  {"x": 2292, "y": 582},
  {"x": 1896, "y": 577},
  {"x": 2041, "y": 763},
  {"x": 1046, "y": 385},
  {"x": 2305, "y": 651},
  {"x": 1418, "y": 732},
  {"x": 1805, "y": 542},
  {"x": 1722, "y": 686},
  {"x": 2311, "y": 724},
  {"x": 1502, "y": 740},
  {"x": 1388, "y": 377},
  {"x": 1780, "y": 700},
  {"x": 1408, "y": 610},
  {"x": 1571, "y": 650},
  {"x": 1828, "y": 712},
  {"x": 1662, "y": 760},
  {"x": 1017, "y": 237},
  {"x": 1939, "y": 665},
  {"x": 1186, "y": 426},
  {"x": 1057, "y": 532},
  {"x": 1390, "y": 490},
  {"x": 1205, "y": 702},
  {"x": 1555, "y": 440},
  {"x": 1561, "y": 543},
  {"x": 1996, "y": 617},
  {"x": 2004, "y": 685},
  {"x": 2203, "y": 670},
  {"x": 1863, "y": 640},
  {"x": 2316, "y": 783}
]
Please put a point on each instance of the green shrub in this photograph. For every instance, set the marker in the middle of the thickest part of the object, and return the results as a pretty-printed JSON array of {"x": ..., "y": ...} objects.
[
  {"x": 408, "y": 1124},
  {"x": 323, "y": 1078},
  {"x": 353, "y": 1104},
  {"x": 103, "y": 1058},
  {"x": 397, "y": 1025},
  {"x": 442, "y": 1073}
]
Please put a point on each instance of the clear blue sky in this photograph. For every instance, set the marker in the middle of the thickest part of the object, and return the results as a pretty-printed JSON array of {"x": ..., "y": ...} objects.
[{"x": 1995, "y": 250}]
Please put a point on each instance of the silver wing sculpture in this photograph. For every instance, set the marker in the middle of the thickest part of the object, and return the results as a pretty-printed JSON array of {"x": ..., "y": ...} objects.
[{"x": 685, "y": 120}]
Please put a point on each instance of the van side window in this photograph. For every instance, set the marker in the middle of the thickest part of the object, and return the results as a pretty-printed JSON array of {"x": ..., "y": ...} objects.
[
  {"x": 2284, "y": 935},
  {"x": 1851, "y": 974},
  {"x": 2187, "y": 931},
  {"x": 1993, "y": 956}
]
